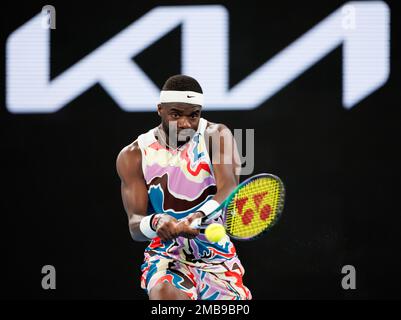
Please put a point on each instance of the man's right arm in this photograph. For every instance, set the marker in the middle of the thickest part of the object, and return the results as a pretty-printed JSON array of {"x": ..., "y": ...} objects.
[
  {"x": 133, "y": 189},
  {"x": 135, "y": 199}
]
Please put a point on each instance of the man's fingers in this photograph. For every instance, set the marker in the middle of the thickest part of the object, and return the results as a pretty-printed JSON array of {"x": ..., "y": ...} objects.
[
  {"x": 194, "y": 216},
  {"x": 167, "y": 231},
  {"x": 191, "y": 236},
  {"x": 189, "y": 232},
  {"x": 189, "y": 219},
  {"x": 162, "y": 235},
  {"x": 165, "y": 237},
  {"x": 170, "y": 230}
]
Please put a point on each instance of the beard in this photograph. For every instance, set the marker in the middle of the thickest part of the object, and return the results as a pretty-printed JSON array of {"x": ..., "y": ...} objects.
[{"x": 175, "y": 136}]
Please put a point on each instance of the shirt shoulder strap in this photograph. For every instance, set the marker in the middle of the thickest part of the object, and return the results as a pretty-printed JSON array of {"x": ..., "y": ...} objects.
[
  {"x": 146, "y": 139},
  {"x": 202, "y": 126}
]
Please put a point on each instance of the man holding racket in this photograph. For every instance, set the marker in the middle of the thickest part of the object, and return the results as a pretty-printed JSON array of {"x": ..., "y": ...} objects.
[{"x": 177, "y": 172}]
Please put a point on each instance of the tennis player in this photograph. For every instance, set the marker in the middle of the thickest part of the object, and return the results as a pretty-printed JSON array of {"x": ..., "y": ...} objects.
[{"x": 170, "y": 175}]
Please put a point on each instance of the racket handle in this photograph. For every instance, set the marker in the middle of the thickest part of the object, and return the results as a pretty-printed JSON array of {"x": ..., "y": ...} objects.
[{"x": 196, "y": 223}]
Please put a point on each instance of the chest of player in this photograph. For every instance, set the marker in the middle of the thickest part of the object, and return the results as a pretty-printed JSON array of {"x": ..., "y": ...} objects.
[{"x": 191, "y": 160}]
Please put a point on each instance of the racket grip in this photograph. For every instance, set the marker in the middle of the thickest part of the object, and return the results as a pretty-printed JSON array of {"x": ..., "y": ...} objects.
[{"x": 196, "y": 223}]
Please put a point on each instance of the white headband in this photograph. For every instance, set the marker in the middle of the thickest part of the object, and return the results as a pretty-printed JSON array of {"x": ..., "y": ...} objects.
[{"x": 181, "y": 96}]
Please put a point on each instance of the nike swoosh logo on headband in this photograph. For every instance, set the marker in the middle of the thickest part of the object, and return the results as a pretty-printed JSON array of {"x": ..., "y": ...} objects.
[{"x": 190, "y": 96}]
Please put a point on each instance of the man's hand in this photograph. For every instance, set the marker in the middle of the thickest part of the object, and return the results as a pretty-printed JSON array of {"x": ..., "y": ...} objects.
[
  {"x": 168, "y": 228},
  {"x": 193, "y": 216}
]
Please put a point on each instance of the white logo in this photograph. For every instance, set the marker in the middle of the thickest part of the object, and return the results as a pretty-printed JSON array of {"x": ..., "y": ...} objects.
[
  {"x": 362, "y": 28},
  {"x": 349, "y": 280},
  {"x": 49, "y": 280}
]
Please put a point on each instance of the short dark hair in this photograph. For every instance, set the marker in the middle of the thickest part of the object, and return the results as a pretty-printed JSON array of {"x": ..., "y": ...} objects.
[{"x": 182, "y": 82}]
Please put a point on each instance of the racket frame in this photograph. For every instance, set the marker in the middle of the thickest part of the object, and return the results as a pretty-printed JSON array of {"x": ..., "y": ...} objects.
[{"x": 200, "y": 222}]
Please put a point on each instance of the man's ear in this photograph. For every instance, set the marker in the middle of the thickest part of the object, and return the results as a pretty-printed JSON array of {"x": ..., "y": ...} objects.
[{"x": 159, "y": 108}]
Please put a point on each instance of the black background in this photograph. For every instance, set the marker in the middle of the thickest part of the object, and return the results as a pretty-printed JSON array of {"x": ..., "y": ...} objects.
[{"x": 60, "y": 198}]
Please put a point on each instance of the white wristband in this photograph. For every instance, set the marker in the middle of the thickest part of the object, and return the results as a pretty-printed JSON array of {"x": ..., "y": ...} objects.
[
  {"x": 145, "y": 227},
  {"x": 209, "y": 207}
]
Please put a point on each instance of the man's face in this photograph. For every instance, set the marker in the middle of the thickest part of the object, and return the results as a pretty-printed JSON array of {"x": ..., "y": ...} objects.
[{"x": 179, "y": 120}]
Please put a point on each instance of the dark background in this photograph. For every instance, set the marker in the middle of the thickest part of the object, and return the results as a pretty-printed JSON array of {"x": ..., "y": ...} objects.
[{"x": 60, "y": 197}]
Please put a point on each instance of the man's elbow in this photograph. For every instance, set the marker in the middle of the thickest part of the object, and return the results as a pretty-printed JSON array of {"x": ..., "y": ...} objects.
[
  {"x": 136, "y": 236},
  {"x": 135, "y": 232}
]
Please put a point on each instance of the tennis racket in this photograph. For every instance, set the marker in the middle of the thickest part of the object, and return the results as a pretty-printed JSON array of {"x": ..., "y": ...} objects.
[{"x": 251, "y": 209}]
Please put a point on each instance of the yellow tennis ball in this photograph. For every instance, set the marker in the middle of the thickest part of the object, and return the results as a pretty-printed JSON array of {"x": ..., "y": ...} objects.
[{"x": 215, "y": 232}]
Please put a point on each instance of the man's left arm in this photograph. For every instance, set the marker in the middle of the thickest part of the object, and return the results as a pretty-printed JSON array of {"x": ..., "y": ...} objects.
[
  {"x": 225, "y": 160},
  {"x": 224, "y": 156}
]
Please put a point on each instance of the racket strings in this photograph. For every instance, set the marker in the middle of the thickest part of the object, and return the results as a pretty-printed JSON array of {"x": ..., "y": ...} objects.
[{"x": 254, "y": 208}]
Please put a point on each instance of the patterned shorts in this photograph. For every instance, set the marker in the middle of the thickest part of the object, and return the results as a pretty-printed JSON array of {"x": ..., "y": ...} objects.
[{"x": 195, "y": 282}]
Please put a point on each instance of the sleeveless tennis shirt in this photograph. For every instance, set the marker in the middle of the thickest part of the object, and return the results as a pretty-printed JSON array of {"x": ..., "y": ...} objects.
[{"x": 178, "y": 183}]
